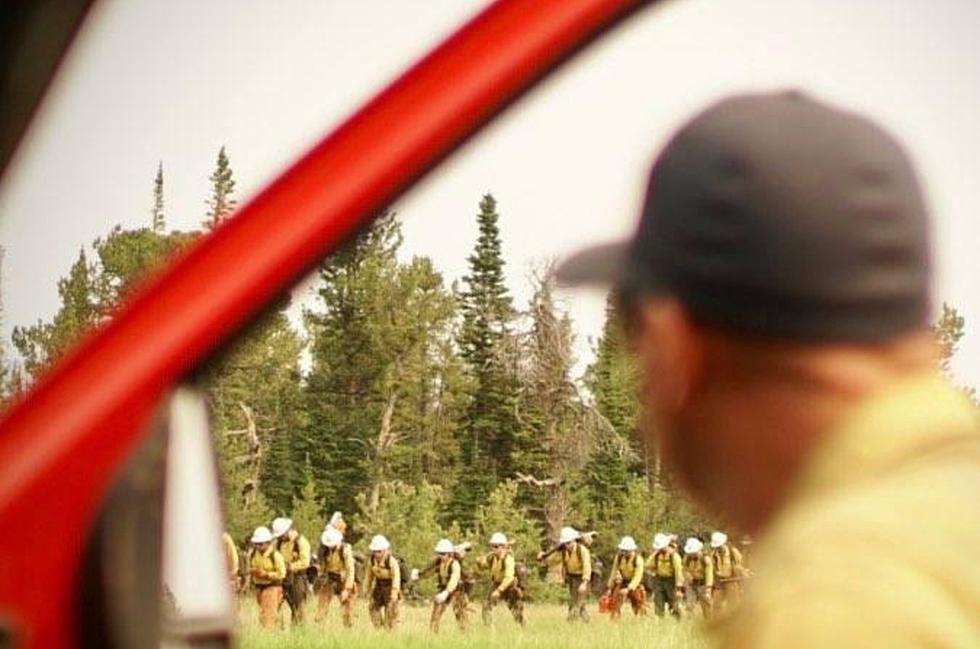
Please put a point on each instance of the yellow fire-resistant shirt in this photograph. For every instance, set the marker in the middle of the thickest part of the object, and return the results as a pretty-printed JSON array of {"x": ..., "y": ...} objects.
[
  {"x": 296, "y": 552},
  {"x": 502, "y": 570},
  {"x": 577, "y": 561},
  {"x": 874, "y": 546},
  {"x": 700, "y": 569},
  {"x": 627, "y": 570},
  {"x": 267, "y": 568},
  {"x": 728, "y": 561},
  {"x": 385, "y": 568},
  {"x": 668, "y": 563},
  {"x": 340, "y": 561},
  {"x": 450, "y": 573}
]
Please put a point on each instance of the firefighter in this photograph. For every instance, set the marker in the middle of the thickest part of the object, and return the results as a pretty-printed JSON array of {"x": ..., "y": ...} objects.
[
  {"x": 337, "y": 573},
  {"x": 626, "y": 578},
  {"x": 576, "y": 563},
  {"x": 504, "y": 582},
  {"x": 700, "y": 572},
  {"x": 267, "y": 569},
  {"x": 729, "y": 570},
  {"x": 667, "y": 581},
  {"x": 449, "y": 577},
  {"x": 383, "y": 583},
  {"x": 295, "y": 550}
]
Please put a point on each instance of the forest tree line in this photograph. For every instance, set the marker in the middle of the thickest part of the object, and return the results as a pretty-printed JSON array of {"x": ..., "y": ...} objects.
[{"x": 419, "y": 408}]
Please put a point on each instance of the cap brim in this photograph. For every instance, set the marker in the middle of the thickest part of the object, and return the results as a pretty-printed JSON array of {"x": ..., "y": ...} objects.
[{"x": 601, "y": 265}]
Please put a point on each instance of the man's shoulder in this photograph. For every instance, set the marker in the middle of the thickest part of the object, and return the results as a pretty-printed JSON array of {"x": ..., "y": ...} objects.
[{"x": 878, "y": 561}]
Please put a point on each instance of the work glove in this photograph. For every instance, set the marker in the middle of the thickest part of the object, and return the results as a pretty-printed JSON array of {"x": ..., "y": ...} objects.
[
  {"x": 441, "y": 598},
  {"x": 583, "y": 587},
  {"x": 415, "y": 574},
  {"x": 344, "y": 596}
]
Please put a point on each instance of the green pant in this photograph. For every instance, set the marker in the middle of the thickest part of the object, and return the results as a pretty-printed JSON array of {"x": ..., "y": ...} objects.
[
  {"x": 665, "y": 596},
  {"x": 382, "y": 609},
  {"x": 515, "y": 602},
  {"x": 294, "y": 588},
  {"x": 460, "y": 603},
  {"x": 577, "y": 601}
]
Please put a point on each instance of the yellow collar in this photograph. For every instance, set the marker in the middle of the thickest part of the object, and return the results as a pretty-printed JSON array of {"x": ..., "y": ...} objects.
[{"x": 913, "y": 417}]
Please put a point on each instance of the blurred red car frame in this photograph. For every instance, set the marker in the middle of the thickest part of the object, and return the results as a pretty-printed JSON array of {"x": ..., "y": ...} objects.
[{"x": 65, "y": 443}]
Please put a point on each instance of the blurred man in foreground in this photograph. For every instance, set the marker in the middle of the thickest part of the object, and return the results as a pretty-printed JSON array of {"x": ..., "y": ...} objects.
[{"x": 778, "y": 293}]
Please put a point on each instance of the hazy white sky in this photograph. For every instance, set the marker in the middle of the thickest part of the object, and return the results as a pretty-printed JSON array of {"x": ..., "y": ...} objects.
[{"x": 173, "y": 81}]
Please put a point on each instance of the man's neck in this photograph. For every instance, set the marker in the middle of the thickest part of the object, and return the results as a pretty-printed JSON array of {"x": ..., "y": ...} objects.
[{"x": 773, "y": 428}]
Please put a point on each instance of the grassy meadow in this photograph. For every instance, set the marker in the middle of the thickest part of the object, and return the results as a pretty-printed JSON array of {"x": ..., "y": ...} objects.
[{"x": 546, "y": 629}]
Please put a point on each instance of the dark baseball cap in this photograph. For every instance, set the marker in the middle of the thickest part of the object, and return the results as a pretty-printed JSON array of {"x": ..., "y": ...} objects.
[{"x": 778, "y": 215}]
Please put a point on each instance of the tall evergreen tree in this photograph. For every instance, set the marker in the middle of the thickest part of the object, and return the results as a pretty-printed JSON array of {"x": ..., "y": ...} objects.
[
  {"x": 383, "y": 393},
  {"x": 42, "y": 343},
  {"x": 612, "y": 379},
  {"x": 222, "y": 200},
  {"x": 254, "y": 391},
  {"x": 487, "y": 439},
  {"x": 158, "y": 221}
]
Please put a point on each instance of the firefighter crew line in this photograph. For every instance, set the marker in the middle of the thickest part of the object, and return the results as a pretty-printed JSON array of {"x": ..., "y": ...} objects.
[{"x": 673, "y": 579}]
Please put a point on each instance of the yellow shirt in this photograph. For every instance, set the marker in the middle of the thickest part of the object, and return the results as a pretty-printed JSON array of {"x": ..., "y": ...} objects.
[
  {"x": 896, "y": 490},
  {"x": 668, "y": 563},
  {"x": 449, "y": 574},
  {"x": 728, "y": 561},
  {"x": 628, "y": 571},
  {"x": 267, "y": 568},
  {"x": 502, "y": 570},
  {"x": 385, "y": 569},
  {"x": 340, "y": 561},
  {"x": 296, "y": 552},
  {"x": 700, "y": 569},
  {"x": 577, "y": 561}
]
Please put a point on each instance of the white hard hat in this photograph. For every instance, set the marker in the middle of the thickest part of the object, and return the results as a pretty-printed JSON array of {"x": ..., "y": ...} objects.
[
  {"x": 379, "y": 543},
  {"x": 661, "y": 541},
  {"x": 498, "y": 538},
  {"x": 627, "y": 544},
  {"x": 718, "y": 539},
  {"x": 567, "y": 535},
  {"x": 331, "y": 537},
  {"x": 261, "y": 535},
  {"x": 280, "y": 526},
  {"x": 693, "y": 545},
  {"x": 445, "y": 546}
]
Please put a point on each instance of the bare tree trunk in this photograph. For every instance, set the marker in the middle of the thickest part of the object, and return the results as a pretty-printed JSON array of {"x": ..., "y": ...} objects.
[{"x": 386, "y": 439}]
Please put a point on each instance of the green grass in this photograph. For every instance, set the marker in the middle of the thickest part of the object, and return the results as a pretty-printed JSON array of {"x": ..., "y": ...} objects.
[{"x": 546, "y": 629}]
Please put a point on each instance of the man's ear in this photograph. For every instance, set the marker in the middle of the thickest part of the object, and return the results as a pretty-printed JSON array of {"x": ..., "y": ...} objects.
[{"x": 671, "y": 353}]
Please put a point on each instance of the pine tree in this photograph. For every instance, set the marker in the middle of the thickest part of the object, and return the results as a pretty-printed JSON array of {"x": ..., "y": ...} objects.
[
  {"x": 222, "y": 200},
  {"x": 612, "y": 379},
  {"x": 383, "y": 393},
  {"x": 43, "y": 343},
  {"x": 487, "y": 439},
  {"x": 157, "y": 216}
]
